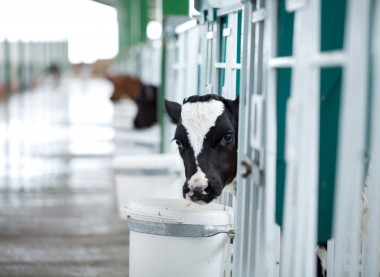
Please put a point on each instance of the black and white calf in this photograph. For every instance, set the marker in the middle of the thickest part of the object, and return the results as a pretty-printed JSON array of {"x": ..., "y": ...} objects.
[{"x": 207, "y": 136}]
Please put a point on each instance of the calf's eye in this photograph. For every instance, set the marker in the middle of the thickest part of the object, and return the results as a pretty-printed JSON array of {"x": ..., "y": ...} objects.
[
  {"x": 179, "y": 144},
  {"x": 227, "y": 138}
]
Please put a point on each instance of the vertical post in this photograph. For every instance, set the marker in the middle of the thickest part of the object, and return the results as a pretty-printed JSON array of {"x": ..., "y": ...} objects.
[
  {"x": 352, "y": 142},
  {"x": 302, "y": 147},
  {"x": 272, "y": 232},
  {"x": 257, "y": 145},
  {"x": 161, "y": 94},
  {"x": 244, "y": 213},
  {"x": 371, "y": 247}
]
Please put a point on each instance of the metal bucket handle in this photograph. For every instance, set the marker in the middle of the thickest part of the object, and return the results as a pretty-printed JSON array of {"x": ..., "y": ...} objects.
[
  {"x": 177, "y": 230},
  {"x": 158, "y": 217}
]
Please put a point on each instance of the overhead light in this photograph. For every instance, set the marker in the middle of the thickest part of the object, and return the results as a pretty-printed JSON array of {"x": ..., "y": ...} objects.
[{"x": 154, "y": 30}]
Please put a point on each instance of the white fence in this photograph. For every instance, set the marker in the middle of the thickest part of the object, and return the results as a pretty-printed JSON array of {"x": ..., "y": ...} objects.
[{"x": 234, "y": 50}]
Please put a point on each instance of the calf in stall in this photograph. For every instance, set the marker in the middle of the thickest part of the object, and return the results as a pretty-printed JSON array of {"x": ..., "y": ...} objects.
[
  {"x": 145, "y": 97},
  {"x": 207, "y": 136}
]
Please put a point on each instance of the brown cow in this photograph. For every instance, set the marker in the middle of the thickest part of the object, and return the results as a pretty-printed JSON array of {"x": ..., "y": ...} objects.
[
  {"x": 145, "y": 97},
  {"x": 125, "y": 85}
]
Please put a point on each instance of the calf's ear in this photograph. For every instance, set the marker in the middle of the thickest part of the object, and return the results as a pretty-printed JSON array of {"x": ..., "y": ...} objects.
[
  {"x": 234, "y": 106},
  {"x": 173, "y": 109}
]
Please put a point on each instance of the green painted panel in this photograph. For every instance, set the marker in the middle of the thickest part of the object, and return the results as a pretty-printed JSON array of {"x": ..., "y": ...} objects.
[
  {"x": 238, "y": 52},
  {"x": 175, "y": 7},
  {"x": 285, "y": 48},
  {"x": 332, "y": 38},
  {"x": 238, "y": 42},
  {"x": 329, "y": 125},
  {"x": 332, "y": 24},
  {"x": 144, "y": 18},
  {"x": 283, "y": 93},
  {"x": 285, "y": 31},
  {"x": 134, "y": 22},
  {"x": 222, "y": 52},
  {"x": 123, "y": 6},
  {"x": 133, "y": 17}
]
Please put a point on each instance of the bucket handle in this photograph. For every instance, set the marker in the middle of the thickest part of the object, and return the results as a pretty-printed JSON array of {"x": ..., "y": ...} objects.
[
  {"x": 178, "y": 230},
  {"x": 158, "y": 217}
]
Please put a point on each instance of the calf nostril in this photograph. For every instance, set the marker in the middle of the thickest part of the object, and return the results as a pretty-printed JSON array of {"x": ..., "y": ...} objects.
[
  {"x": 198, "y": 187},
  {"x": 197, "y": 190}
]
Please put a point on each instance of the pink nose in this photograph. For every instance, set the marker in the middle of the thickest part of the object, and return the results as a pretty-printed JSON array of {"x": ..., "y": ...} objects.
[
  {"x": 197, "y": 183},
  {"x": 201, "y": 187}
]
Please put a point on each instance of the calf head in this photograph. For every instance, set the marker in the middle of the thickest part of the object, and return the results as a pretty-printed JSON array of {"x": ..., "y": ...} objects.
[{"x": 206, "y": 135}]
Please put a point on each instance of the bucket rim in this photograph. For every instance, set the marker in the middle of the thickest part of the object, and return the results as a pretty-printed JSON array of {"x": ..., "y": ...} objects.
[{"x": 178, "y": 211}]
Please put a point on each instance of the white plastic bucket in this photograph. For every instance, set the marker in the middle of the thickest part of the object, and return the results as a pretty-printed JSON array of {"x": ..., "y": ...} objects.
[
  {"x": 176, "y": 237},
  {"x": 147, "y": 176}
]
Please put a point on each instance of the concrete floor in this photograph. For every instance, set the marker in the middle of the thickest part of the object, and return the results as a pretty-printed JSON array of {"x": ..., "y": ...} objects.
[{"x": 57, "y": 207}]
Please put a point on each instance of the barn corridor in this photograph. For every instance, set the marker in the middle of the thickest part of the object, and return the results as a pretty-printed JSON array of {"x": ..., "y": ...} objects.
[{"x": 57, "y": 211}]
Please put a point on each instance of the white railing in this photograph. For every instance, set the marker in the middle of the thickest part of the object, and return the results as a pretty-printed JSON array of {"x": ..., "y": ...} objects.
[{"x": 355, "y": 248}]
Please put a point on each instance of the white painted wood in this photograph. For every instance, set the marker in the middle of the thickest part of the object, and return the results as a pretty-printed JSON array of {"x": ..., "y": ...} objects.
[
  {"x": 229, "y": 9},
  {"x": 182, "y": 71},
  {"x": 244, "y": 211},
  {"x": 230, "y": 53},
  {"x": 371, "y": 245},
  {"x": 330, "y": 258},
  {"x": 258, "y": 15},
  {"x": 186, "y": 26},
  {"x": 302, "y": 147},
  {"x": 220, "y": 65},
  {"x": 227, "y": 32},
  {"x": 170, "y": 83},
  {"x": 272, "y": 236},
  {"x": 332, "y": 58},
  {"x": 294, "y": 5},
  {"x": 257, "y": 117},
  {"x": 281, "y": 62},
  {"x": 208, "y": 56},
  {"x": 351, "y": 142}
]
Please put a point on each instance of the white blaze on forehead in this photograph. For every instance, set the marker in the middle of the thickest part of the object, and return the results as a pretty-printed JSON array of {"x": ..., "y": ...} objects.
[{"x": 198, "y": 118}]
